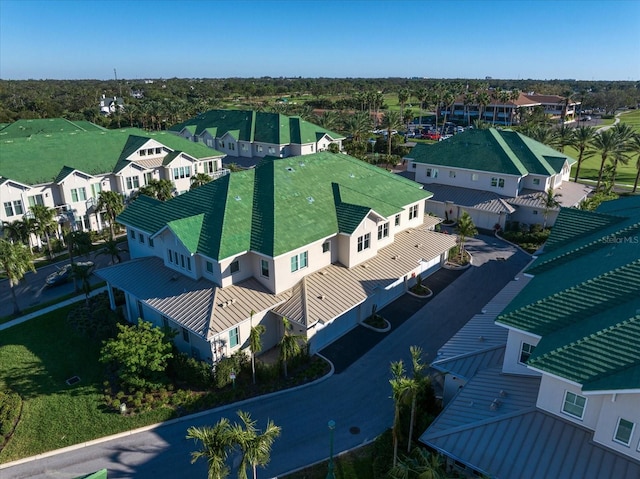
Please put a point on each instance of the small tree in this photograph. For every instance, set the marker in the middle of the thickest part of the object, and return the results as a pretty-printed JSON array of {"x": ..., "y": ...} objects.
[
  {"x": 549, "y": 201},
  {"x": 399, "y": 387},
  {"x": 112, "y": 248},
  {"x": 112, "y": 204},
  {"x": 15, "y": 260},
  {"x": 414, "y": 386},
  {"x": 465, "y": 229},
  {"x": 139, "y": 354},
  {"x": 45, "y": 223},
  {"x": 289, "y": 345},
  {"x": 255, "y": 343}
]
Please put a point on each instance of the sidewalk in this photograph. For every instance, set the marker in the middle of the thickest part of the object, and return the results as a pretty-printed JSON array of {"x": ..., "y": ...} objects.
[{"x": 48, "y": 309}]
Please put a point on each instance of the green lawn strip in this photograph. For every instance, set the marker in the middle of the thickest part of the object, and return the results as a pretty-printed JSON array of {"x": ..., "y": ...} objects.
[{"x": 36, "y": 358}]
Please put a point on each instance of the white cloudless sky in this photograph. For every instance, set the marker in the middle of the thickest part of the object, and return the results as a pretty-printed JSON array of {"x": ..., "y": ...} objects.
[{"x": 507, "y": 39}]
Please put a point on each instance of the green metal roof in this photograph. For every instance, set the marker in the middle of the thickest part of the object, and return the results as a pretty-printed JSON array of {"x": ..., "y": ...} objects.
[
  {"x": 281, "y": 205},
  {"x": 254, "y": 126},
  {"x": 584, "y": 299},
  {"x": 497, "y": 151},
  {"x": 43, "y": 158}
]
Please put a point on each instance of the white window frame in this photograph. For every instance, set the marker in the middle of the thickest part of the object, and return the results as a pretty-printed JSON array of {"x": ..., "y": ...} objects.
[
  {"x": 530, "y": 349},
  {"x": 234, "y": 266},
  {"x": 615, "y": 433},
  {"x": 383, "y": 231},
  {"x": 573, "y": 402},
  {"x": 264, "y": 268},
  {"x": 413, "y": 212},
  {"x": 299, "y": 261},
  {"x": 364, "y": 242},
  {"x": 234, "y": 335}
]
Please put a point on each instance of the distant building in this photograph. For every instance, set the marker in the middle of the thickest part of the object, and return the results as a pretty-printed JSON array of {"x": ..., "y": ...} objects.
[
  {"x": 110, "y": 105},
  {"x": 253, "y": 134},
  {"x": 65, "y": 165},
  {"x": 494, "y": 175}
]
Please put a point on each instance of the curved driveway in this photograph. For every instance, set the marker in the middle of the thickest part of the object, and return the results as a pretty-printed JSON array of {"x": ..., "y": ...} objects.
[{"x": 356, "y": 398}]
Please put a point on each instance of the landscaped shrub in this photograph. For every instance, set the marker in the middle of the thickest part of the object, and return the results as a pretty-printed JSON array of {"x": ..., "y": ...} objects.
[
  {"x": 96, "y": 321},
  {"x": 382, "y": 455},
  {"x": 192, "y": 372},
  {"x": 225, "y": 367},
  {"x": 10, "y": 407}
]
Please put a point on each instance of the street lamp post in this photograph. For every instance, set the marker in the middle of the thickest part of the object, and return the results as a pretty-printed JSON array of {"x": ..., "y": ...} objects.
[{"x": 332, "y": 426}]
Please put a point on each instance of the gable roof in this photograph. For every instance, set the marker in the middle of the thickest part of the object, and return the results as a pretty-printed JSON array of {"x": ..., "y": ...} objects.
[
  {"x": 584, "y": 299},
  {"x": 46, "y": 157},
  {"x": 281, "y": 205},
  {"x": 254, "y": 126},
  {"x": 496, "y": 151}
]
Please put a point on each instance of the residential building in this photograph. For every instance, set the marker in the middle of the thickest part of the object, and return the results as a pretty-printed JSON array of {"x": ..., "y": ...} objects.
[
  {"x": 320, "y": 240},
  {"x": 552, "y": 388},
  {"x": 510, "y": 108},
  {"x": 110, "y": 105},
  {"x": 65, "y": 165},
  {"x": 494, "y": 175},
  {"x": 245, "y": 134}
]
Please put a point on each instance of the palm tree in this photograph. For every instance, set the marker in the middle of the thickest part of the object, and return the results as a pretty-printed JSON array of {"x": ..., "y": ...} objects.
[
  {"x": 82, "y": 272},
  {"x": 482, "y": 99},
  {"x": 358, "y": 125},
  {"x": 161, "y": 190},
  {"x": 635, "y": 148},
  {"x": 403, "y": 97},
  {"x": 15, "y": 231},
  {"x": 328, "y": 120},
  {"x": 111, "y": 248},
  {"x": 255, "y": 447},
  {"x": 414, "y": 387},
  {"x": 624, "y": 135},
  {"x": 390, "y": 121},
  {"x": 198, "y": 180},
  {"x": 255, "y": 343},
  {"x": 549, "y": 201},
  {"x": 420, "y": 464},
  {"x": 465, "y": 229},
  {"x": 423, "y": 96},
  {"x": 216, "y": 444},
  {"x": 605, "y": 142},
  {"x": 581, "y": 140},
  {"x": 399, "y": 387},
  {"x": 45, "y": 223},
  {"x": 289, "y": 345},
  {"x": 16, "y": 261},
  {"x": 562, "y": 137},
  {"x": 112, "y": 204}
]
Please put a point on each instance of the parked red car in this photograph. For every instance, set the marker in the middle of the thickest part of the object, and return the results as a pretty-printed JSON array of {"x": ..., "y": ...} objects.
[{"x": 434, "y": 135}]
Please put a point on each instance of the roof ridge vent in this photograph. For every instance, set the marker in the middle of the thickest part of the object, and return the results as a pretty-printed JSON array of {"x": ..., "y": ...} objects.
[
  {"x": 310, "y": 199},
  {"x": 288, "y": 168},
  {"x": 237, "y": 198}
]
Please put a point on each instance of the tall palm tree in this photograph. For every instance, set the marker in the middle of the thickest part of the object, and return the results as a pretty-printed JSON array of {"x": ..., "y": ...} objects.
[
  {"x": 82, "y": 273},
  {"x": 255, "y": 342},
  {"x": 581, "y": 140},
  {"x": 403, "y": 98},
  {"x": 16, "y": 261},
  {"x": 606, "y": 143},
  {"x": 390, "y": 121},
  {"x": 399, "y": 387},
  {"x": 329, "y": 119},
  {"x": 549, "y": 201},
  {"x": 255, "y": 446},
  {"x": 465, "y": 229},
  {"x": 198, "y": 180},
  {"x": 416, "y": 381},
  {"x": 14, "y": 231},
  {"x": 482, "y": 100},
  {"x": 112, "y": 204},
  {"x": 423, "y": 97},
  {"x": 514, "y": 96},
  {"x": 624, "y": 135},
  {"x": 562, "y": 137},
  {"x": 45, "y": 223},
  {"x": 289, "y": 345},
  {"x": 216, "y": 441}
]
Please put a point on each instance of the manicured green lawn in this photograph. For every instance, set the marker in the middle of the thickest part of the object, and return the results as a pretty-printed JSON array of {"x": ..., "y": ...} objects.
[
  {"x": 591, "y": 166},
  {"x": 36, "y": 358}
]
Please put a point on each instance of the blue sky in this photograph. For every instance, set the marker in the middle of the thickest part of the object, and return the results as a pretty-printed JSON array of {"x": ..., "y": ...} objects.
[{"x": 508, "y": 39}]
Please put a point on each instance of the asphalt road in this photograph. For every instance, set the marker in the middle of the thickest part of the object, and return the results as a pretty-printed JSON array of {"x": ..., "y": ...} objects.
[
  {"x": 358, "y": 398},
  {"x": 32, "y": 291}
]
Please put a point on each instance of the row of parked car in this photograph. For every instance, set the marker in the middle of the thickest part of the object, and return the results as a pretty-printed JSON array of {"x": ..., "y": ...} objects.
[{"x": 441, "y": 133}]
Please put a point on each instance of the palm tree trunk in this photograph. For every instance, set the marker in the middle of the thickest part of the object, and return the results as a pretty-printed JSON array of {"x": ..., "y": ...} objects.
[
  {"x": 14, "y": 298},
  {"x": 635, "y": 183},
  {"x": 411, "y": 420},
  {"x": 600, "y": 173},
  {"x": 575, "y": 180}
]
